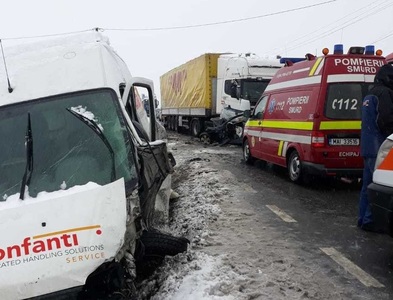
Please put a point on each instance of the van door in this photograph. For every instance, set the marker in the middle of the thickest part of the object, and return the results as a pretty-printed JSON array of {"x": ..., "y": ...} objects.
[{"x": 140, "y": 105}]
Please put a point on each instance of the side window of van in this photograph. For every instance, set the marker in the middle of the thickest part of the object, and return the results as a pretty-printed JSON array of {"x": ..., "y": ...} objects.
[{"x": 260, "y": 108}]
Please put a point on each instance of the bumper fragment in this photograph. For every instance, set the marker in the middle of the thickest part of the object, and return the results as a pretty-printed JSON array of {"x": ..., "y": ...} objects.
[{"x": 381, "y": 201}]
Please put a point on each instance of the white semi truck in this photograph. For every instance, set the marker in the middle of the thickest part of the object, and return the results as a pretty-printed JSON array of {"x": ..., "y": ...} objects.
[
  {"x": 213, "y": 85},
  {"x": 81, "y": 168}
]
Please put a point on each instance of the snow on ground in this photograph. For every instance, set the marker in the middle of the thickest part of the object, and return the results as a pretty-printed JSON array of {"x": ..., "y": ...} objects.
[{"x": 234, "y": 252}]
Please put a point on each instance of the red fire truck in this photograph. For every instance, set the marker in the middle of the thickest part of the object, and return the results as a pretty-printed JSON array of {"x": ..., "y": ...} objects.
[{"x": 309, "y": 117}]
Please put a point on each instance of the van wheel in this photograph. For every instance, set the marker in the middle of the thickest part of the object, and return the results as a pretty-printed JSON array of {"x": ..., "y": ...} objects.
[
  {"x": 153, "y": 246},
  {"x": 158, "y": 243},
  {"x": 295, "y": 170},
  {"x": 106, "y": 281},
  {"x": 247, "y": 154},
  {"x": 195, "y": 127}
]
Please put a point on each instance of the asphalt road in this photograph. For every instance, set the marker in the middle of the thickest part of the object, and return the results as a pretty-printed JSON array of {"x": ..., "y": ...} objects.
[
  {"x": 321, "y": 216},
  {"x": 326, "y": 214}
]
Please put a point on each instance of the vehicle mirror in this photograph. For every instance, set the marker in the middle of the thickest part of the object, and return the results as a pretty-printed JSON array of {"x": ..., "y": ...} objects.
[
  {"x": 238, "y": 92},
  {"x": 235, "y": 90},
  {"x": 143, "y": 103}
]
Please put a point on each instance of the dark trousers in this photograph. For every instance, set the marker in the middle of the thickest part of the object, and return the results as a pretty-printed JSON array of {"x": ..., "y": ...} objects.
[{"x": 364, "y": 206}]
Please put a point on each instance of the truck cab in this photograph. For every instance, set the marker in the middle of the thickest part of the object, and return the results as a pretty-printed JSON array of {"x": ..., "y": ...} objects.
[{"x": 241, "y": 80}]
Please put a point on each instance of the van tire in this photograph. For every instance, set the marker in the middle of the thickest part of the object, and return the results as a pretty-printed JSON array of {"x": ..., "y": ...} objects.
[
  {"x": 247, "y": 153},
  {"x": 156, "y": 243},
  {"x": 295, "y": 169}
]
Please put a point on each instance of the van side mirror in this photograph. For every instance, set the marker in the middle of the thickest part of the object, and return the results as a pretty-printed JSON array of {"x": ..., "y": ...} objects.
[
  {"x": 141, "y": 98},
  {"x": 247, "y": 114}
]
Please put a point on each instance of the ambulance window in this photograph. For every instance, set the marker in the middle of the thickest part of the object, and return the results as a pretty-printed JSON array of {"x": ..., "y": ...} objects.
[
  {"x": 344, "y": 100},
  {"x": 260, "y": 108}
]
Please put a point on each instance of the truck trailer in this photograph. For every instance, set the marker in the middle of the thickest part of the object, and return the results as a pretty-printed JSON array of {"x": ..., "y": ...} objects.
[{"x": 213, "y": 86}]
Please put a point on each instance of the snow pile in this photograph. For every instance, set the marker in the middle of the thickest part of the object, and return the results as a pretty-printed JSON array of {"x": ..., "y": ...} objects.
[
  {"x": 14, "y": 201},
  {"x": 198, "y": 202},
  {"x": 191, "y": 275}
]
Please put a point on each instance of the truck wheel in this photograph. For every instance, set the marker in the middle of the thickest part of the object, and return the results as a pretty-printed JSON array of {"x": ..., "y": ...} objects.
[
  {"x": 173, "y": 121},
  {"x": 169, "y": 120},
  {"x": 195, "y": 127},
  {"x": 175, "y": 124},
  {"x": 295, "y": 169},
  {"x": 247, "y": 154}
]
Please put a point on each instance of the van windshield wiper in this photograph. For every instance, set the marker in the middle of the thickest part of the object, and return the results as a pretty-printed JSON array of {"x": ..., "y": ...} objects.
[
  {"x": 97, "y": 130},
  {"x": 29, "y": 159}
]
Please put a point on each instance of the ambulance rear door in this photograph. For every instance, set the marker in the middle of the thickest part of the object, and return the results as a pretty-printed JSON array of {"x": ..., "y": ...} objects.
[{"x": 341, "y": 124}]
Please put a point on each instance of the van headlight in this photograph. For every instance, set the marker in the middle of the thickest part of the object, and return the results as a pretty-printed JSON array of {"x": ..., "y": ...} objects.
[{"x": 383, "y": 151}]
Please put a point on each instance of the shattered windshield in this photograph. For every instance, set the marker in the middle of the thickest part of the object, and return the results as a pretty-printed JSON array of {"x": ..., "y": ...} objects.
[
  {"x": 253, "y": 89},
  {"x": 66, "y": 152}
]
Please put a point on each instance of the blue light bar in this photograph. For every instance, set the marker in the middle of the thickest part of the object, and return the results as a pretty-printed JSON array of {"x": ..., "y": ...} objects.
[
  {"x": 338, "y": 49},
  {"x": 292, "y": 59},
  {"x": 369, "y": 50}
]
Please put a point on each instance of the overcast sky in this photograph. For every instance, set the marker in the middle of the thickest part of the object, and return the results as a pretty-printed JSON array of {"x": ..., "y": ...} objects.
[{"x": 268, "y": 28}]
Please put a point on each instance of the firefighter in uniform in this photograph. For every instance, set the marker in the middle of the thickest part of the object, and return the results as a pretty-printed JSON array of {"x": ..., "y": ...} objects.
[{"x": 377, "y": 125}]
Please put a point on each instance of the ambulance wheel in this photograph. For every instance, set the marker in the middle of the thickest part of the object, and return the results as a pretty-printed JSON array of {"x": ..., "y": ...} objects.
[
  {"x": 247, "y": 154},
  {"x": 295, "y": 167}
]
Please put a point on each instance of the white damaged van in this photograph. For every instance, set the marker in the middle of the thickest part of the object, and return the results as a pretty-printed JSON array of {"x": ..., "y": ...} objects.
[{"x": 80, "y": 169}]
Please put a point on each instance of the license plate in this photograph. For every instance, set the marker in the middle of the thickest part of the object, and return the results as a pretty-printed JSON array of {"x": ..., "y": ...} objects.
[{"x": 344, "y": 142}]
